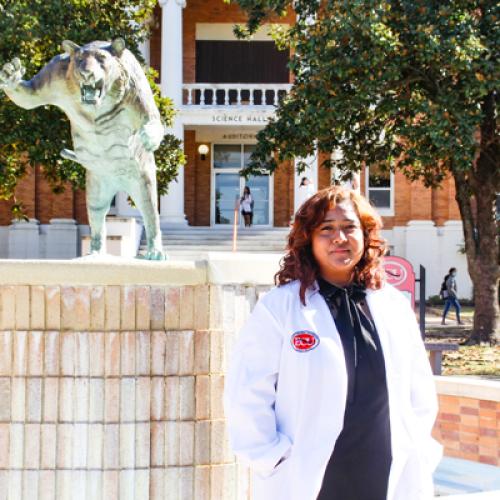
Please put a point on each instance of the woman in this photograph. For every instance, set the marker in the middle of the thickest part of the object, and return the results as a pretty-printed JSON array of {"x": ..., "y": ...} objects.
[
  {"x": 305, "y": 191},
  {"x": 330, "y": 395},
  {"x": 451, "y": 296},
  {"x": 246, "y": 204}
]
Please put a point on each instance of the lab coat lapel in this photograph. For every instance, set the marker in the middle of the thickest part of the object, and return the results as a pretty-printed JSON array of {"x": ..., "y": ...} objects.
[{"x": 386, "y": 318}]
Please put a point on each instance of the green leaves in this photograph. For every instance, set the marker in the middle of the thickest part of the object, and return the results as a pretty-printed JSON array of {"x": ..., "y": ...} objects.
[{"x": 34, "y": 31}]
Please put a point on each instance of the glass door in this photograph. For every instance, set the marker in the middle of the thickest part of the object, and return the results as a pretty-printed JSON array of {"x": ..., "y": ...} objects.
[{"x": 228, "y": 185}]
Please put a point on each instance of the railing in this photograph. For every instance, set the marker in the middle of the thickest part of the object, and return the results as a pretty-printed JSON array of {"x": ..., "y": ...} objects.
[{"x": 234, "y": 94}]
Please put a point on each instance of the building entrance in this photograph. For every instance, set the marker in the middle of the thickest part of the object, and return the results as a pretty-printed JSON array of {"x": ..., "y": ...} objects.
[{"x": 228, "y": 185}]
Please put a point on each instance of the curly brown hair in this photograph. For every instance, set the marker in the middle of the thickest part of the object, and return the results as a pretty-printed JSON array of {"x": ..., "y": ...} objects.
[{"x": 299, "y": 262}]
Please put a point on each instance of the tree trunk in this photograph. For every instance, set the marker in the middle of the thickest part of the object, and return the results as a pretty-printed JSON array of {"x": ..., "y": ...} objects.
[{"x": 480, "y": 227}]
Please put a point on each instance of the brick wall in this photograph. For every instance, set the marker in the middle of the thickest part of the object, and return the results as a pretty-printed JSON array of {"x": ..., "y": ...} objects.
[
  {"x": 284, "y": 179},
  {"x": 469, "y": 428},
  {"x": 111, "y": 392}
]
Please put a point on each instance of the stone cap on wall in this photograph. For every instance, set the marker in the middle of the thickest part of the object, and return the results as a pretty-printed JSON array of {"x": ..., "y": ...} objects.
[
  {"x": 468, "y": 387},
  {"x": 218, "y": 268}
]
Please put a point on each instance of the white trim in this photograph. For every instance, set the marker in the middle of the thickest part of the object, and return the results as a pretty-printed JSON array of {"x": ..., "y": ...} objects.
[
  {"x": 384, "y": 211},
  {"x": 224, "y": 32}
]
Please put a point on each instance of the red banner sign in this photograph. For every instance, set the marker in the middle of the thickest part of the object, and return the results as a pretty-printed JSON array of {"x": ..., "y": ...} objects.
[{"x": 400, "y": 274}]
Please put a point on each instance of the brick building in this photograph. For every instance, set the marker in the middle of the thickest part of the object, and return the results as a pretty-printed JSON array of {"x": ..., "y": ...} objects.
[{"x": 225, "y": 91}]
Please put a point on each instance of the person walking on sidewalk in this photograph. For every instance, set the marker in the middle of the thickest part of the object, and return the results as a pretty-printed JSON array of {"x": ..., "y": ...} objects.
[{"x": 452, "y": 296}]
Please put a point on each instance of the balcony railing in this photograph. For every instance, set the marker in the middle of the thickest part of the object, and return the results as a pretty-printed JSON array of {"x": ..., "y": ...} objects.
[{"x": 234, "y": 94}]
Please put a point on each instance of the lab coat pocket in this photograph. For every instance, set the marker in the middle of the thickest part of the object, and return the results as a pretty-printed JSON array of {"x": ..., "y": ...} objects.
[{"x": 273, "y": 486}]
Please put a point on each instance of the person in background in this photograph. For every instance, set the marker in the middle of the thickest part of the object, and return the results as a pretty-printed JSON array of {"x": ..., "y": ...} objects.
[
  {"x": 451, "y": 296},
  {"x": 305, "y": 191},
  {"x": 246, "y": 204},
  {"x": 329, "y": 394}
]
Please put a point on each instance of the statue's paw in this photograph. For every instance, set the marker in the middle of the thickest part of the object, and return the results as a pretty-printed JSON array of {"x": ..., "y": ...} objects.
[
  {"x": 11, "y": 74},
  {"x": 69, "y": 155},
  {"x": 154, "y": 255}
]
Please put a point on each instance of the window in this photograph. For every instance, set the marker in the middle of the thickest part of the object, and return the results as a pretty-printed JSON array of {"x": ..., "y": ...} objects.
[{"x": 380, "y": 190}]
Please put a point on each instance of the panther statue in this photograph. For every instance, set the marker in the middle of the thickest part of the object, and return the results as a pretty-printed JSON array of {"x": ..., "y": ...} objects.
[{"x": 115, "y": 126}]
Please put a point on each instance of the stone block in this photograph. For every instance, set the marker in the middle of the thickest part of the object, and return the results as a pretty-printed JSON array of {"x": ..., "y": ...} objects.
[
  {"x": 94, "y": 446},
  {"x": 216, "y": 305},
  {"x": 68, "y": 349},
  {"x": 82, "y": 354},
  {"x": 223, "y": 481},
  {"x": 15, "y": 484},
  {"x": 50, "y": 399},
  {"x": 158, "y": 352},
  {"x": 143, "y": 353},
  {"x": 143, "y": 399},
  {"x": 202, "y": 397},
  {"x": 202, "y": 442},
  {"x": 37, "y": 307},
  {"x": 218, "y": 442},
  {"x": 186, "y": 352},
  {"x": 186, "y": 483},
  {"x": 18, "y": 399},
  {"x": 201, "y": 307},
  {"x": 127, "y": 399},
  {"x": 30, "y": 484},
  {"x": 66, "y": 399},
  {"x": 172, "y": 308},
  {"x": 22, "y": 307},
  {"x": 112, "y": 354},
  {"x": 64, "y": 450},
  {"x": 172, "y": 443},
  {"x": 186, "y": 438},
  {"x": 20, "y": 358},
  {"x": 51, "y": 353},
  {"x": 157, "y": 485},
  {"x": 110, "y": 481},
  {"x": 111, "y": 400},
  {"x": 80, "y": 445},
  {"x": 6, "y": 353},
  {"x": 96, "y": 400},
  {"x": 172, "y": 398},
  {"x": 32, "y": 446},
  {"x": 36, "y": 355},
  {"x": 75, "y": 305},
  {"x": 157, "y": 444},
  {"x": 7, "y": 307},
  {"x": 141, "y": 484},
  {"x": 113, "y": 309},
  {"x": 5, "y": 400},
  {"x": 201, "y": 352},
  {"x": 217, "y": 353},
  {"x": 96, "y": 348},
  {"x": 94, "y": 484},
  {"x": 127, "y": 482},
  {"x": 186, "y": 398},
  {"x": 157, "y": 398},
  {"x": 172, "y": 354},
  {"x": 127, "y": 446},
  {"x": 127, "y": 307},
  {"x": 47, "y": 490},
  {"x": 48, "y": 443},
  {"x": 142, "y": 444},
  {"x": 4, "y": 445},
  {"x": 171, "y": 484},
  {"x": 4, "y": 484},
  {"x": 142, "y": 308},
  {"x": 52, "y": 307},
  {"x": 111, "y": 457},
  {"x": 157, "y": 308},
  {"x": 97, "y": 308},
  {"x": 202, "y": 483},
  {"x": 82, "y": 397},
  {"x": 216, "y": 396},
  {"x": 62, "y": 239},
  {"x": 34, "y": 399},
  {"x": 79, "y": 485},
  {"x": 64, "y": 485},
  {"x": 186, "y": 313},
  {"x": 127, "y": 342}
]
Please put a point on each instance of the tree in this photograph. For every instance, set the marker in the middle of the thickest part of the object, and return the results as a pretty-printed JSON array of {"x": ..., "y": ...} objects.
[
  {"x": 409, "y": 85},
  {"x": 34, "y": 31}
]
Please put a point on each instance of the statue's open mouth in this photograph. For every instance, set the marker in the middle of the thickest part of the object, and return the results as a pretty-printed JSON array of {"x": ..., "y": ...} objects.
[{"x": 91, "y": 93}]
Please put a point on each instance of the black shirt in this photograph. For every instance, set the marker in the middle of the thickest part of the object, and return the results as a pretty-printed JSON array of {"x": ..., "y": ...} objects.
[{"x": 360, "y": 463}]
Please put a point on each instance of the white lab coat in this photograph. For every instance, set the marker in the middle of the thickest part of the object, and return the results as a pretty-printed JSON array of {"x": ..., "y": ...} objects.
[{"x": 283, "y": 403}]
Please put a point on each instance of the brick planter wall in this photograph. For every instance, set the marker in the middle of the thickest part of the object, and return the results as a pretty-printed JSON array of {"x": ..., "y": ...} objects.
[
  {"x": 468, "y": 424},
  {"x": 115, "y": 391}
]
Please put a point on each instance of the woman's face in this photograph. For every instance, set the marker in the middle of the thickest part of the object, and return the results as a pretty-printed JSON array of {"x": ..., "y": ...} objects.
[{"x": 338, "y": 243}]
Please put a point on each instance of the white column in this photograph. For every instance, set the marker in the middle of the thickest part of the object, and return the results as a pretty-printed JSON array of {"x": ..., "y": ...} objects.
[
  {"x": 311, "y": 172},
  {"x": 172, "y": 204}
]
